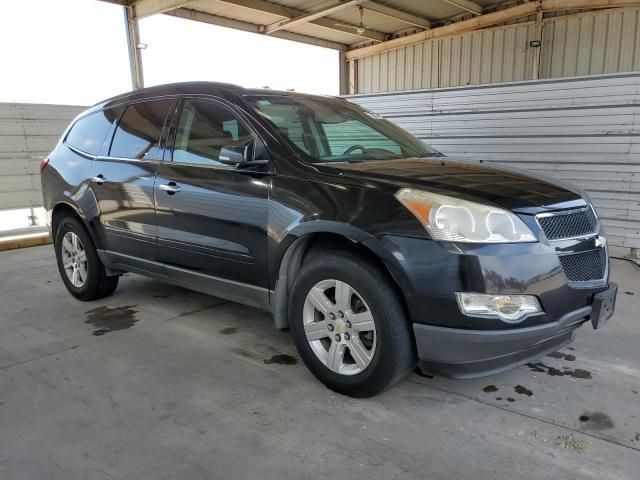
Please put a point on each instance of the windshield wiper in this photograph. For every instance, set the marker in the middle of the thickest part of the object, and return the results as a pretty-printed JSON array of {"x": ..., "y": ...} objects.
[
  {"x": 352, "y": 160},
  {"x": 430, "y": 154}
]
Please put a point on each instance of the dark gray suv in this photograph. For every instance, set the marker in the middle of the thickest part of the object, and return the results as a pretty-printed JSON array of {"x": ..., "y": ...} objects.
[{"x": 378, "y": 252}]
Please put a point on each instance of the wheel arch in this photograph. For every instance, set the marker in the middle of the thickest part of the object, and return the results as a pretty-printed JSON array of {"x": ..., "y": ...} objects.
[
  {"x": 303, "y": 244},
  {"x": 65, "y": 209}
]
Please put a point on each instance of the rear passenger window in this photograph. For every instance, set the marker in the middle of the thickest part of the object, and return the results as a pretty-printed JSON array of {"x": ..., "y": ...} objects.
[
  {"x": 88, "y": 133},
  {"x": 139, "y": 130}
]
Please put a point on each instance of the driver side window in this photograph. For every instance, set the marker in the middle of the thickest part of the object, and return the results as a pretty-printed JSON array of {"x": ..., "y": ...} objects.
[
  {"x": 344, "y": 135},
  {"x": 204, "y": 128}
]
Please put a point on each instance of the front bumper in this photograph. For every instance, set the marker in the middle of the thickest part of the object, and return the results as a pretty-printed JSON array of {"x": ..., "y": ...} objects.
[
  {"x": 464, "y": 346},
  {"x": 429, "y": 273},
  {"x": 459, "y": 353}
]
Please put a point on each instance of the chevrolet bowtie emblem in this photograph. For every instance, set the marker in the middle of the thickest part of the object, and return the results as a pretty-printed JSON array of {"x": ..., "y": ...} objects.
[{"x": 600, "y": 241}]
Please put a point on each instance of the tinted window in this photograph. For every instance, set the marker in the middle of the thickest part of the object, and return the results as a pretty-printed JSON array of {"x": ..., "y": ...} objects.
[
  {"x": 342, "y": 136},
  {"x": 328, "y": 130},
  {"x": 88, "y": 133},
  {"x": 289, "y": 123},
  {"x": 204, "y": 129},
  {"x": 139, "y": 130}
]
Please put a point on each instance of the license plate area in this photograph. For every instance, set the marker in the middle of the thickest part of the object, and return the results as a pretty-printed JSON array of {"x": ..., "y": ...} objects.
[{"x": 603, "y": 306}]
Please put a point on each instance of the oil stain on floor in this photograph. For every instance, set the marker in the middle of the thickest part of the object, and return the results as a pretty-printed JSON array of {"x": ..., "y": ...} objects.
[
  {"x": 595, "y": 421},
  {"x": 565, "y": 356},
  {"x": 108, "y": 319},
  {"x": 228, "y": 331},
  {"x": 281, "y": 359},
  {"x": 242, "y": 352},
  {"x": 523, "y": 390},
  {"x": 556, "y": 372}
]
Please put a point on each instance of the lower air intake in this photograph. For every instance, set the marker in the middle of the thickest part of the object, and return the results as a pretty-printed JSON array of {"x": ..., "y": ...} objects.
[{"x": 584, "y": 266}]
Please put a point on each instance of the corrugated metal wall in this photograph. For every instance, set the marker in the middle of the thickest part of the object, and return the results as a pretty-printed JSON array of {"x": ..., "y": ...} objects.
[
  {"x": 591, "y": 44},
  {"x": 582, "y": 44},
  {"x": 28, "y": 132},
  {"x": 584, "y": 130}
]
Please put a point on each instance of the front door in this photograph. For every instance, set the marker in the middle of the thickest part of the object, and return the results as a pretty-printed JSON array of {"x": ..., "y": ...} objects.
[
  {"x": 123, "y": 181},
  {"x": 212, "y": 216}
]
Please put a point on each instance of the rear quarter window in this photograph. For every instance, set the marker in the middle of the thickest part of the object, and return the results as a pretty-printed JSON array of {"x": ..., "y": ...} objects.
[{"x": 89, "y": 132}]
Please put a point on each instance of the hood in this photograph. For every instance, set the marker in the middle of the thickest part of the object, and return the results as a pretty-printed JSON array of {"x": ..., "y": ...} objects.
[{"x": 506, "y": 188}]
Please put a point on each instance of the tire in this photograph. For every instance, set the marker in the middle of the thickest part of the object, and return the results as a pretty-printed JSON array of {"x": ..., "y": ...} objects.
[
  {"x": 389, "y": 349},
  {"x": 92, "y": 282}
]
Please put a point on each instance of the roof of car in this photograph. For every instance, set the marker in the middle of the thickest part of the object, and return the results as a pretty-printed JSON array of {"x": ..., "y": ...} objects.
[{"x": 194, "y": 88}]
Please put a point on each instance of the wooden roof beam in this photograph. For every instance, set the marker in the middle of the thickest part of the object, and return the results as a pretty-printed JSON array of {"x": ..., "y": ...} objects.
[
  {"x": 396, "y": 14},
  {"x": 488, "y": 20},
  {"x": 466, "y": 5},
  {"x": 323, "y": 11},
  {"x": 288, "y": 12},
  {"x": 146, "y": 8},
  {"x": 252, "y": 28}
]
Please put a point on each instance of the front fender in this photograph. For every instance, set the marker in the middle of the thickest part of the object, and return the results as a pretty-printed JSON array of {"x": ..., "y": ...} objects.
[
  {"x": 320, "y": 226},
  {"x": 296, "y": 235},
  {"x": 356, "y": 235}
]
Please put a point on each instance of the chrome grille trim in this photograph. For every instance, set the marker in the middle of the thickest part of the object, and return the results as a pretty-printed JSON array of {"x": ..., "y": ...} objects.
[
  {"x": 585, "y": 223},
  {"x": 582, "y": 269}
]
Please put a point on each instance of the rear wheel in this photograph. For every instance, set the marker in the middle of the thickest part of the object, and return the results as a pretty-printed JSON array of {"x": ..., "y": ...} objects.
[
  {"x": 349, "y": 325},
  {"x": 80, "y": 267}
]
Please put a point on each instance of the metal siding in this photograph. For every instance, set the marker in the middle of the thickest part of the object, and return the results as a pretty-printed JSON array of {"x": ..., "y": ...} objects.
[
  {"x": 28, "y": 132},
  {"x": 589, "y": 43},
  {"x": 493, "y": 55},
  {"x": 583, "y": 130}
]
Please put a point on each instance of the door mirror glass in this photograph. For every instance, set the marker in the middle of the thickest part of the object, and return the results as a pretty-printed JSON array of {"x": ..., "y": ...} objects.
[{"x": 236, "y": 154}]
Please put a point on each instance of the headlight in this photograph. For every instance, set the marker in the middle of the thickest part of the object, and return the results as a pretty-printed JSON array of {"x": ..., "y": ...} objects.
[
  {"x": 510, "y": 308},
  {"x": 454, "y": 220}
]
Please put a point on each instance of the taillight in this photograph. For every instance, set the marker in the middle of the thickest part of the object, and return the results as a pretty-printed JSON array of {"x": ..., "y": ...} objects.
[{"x": 43, "y": 164}]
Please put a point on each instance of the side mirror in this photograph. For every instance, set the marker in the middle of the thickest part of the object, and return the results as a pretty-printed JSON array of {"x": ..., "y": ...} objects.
[
  {"x": 236, "y": 154},
  {"x": 246, "y": 156}
]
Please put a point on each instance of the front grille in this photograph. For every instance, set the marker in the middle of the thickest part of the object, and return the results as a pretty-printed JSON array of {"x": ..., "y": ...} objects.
[
  {"x": 567, "y": 225},
  {"x": 585, "y": 266}
]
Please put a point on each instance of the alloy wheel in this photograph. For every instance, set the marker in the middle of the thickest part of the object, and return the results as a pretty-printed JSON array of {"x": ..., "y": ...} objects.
[
  {"x": 339, "y": 327},
  {"x": 74, "y": 259}
]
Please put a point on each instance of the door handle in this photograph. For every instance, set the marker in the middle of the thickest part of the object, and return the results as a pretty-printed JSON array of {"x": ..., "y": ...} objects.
[
  {"x": 99, "y": 179},
  {"x": 170, "y": 188}
]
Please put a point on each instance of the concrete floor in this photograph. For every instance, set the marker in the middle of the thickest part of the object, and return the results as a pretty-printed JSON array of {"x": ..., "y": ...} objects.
[{"x": 183, "y": 386}]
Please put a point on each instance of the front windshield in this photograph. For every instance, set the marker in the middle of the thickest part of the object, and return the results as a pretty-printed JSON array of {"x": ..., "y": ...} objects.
[{"x": 333, "y": 130}]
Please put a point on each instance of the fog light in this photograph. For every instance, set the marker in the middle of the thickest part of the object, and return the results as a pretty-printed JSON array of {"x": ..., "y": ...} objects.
[{"x": 510, "y": 308}]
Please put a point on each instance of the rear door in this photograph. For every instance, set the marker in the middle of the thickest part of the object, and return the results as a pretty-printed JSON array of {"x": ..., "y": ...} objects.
[
  {"x": 123, "y": 180},
  {"x": 212, "y": 216}
]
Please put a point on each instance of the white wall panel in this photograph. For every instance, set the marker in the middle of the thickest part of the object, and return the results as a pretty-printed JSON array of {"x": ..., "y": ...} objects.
[{"x": 28, "y": 132}]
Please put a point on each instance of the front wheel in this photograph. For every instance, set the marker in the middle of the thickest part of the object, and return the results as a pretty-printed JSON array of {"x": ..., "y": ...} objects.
[{"x": 349, "y": 325}]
